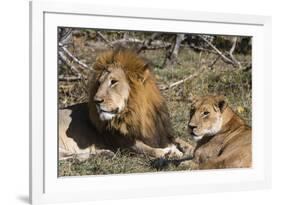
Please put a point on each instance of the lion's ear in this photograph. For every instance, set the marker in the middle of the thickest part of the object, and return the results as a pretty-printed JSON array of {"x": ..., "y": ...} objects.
[
  {"x": 146, "y": 74},
  {"x": 221, "y": 103}
]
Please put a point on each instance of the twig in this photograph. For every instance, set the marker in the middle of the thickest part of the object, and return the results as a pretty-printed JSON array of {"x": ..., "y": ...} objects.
[
  {"x": 83, "y": 65},
  {"x": 65, "y": 34},
  {"x": 68, "y": 63},
  {"x": 69, "y": 78},
  {"x": 247, "y": 68},
  {"x": 105, "y": 39},
  {"x": 214, "y": 62}
]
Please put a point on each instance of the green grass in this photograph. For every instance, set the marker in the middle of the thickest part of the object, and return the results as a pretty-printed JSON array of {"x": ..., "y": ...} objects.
[
  {"x": 222, "y": 79},
  {"x": 122, "y": 162}
]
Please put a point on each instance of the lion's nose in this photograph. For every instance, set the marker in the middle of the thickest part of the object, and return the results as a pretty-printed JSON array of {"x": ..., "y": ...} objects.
[{"x": 98, "y": 100}]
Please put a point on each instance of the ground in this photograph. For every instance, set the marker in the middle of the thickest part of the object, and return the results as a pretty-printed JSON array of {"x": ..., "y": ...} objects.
[{"x": 220, "y": 79}]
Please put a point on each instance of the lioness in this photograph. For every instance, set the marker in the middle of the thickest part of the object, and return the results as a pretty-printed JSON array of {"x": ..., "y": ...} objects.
[
  {"x": 224, "y": 140},
  {"x": 125, "y": 109}
]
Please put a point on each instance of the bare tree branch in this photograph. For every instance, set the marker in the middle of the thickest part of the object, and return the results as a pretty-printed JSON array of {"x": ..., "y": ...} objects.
[
  {"x": 126, "y": 35},
  {"x": 104, "y": 39},
  {"x": 69, "y": 59},
  {"x": 69, "y": 78},
  {"x": 171, "y": 56},
  {"x": 157, "y": 47},
  {"x": 199, "y": 48},
  {"x": 69, "y": 54},
  {"x": 231, "y": 53},
  {"x": 226, "y": 59},
  {"x": 68, "y": 63},
  {"x": 175, "y": 52},
  {"x": 146, "y": 44},
  {"x": 65, "y": 35},
  {"x": 127, "y": 40},
  {"x": 200, "y": 69},
  {"x": 143, "y": 46}
]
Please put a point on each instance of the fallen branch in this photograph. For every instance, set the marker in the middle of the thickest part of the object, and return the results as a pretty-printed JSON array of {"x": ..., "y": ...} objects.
[
  {"x": 147, "y": 42},
  {"x": 125, "y": 41},
  {"x": 154, "y": 47},
  {"x": 181, "y": 81},
  {"x": 141, "y": 44},
  {"x": 199, "y": 48},
  {"x": 226, "y": 59},
  {"x": 200, "y": 69},
  {"x": 70, "y": 55}
]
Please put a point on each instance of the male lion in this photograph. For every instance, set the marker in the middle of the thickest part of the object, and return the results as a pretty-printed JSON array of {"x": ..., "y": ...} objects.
[
  {"x": 224, "y": 140},
  {"x": 125, "y": 110},
  {"x": 126, "y": 106}
]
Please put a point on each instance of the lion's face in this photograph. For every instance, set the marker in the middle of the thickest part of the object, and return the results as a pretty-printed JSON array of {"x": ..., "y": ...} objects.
[
  {"x": 112, "y": 92},
  {"x": 206, "y": 116}
]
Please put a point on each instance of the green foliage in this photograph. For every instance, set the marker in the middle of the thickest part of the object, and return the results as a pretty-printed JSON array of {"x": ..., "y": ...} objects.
[{"x": 236, "y": 85}]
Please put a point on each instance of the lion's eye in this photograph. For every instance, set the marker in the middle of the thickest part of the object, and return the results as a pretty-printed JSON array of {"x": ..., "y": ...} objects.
[
  {"x": 113, "y": 82},
  {"x": 206, "y": 113}
]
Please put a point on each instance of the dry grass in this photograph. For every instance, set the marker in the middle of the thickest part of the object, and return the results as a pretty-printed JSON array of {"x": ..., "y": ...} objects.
[{"x": 222, "y": 79}]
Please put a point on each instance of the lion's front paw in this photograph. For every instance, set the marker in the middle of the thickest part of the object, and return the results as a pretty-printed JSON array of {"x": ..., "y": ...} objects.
[{"x": 105, "y": 152}]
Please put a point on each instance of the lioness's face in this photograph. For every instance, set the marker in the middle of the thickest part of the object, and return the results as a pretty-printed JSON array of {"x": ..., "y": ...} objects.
[
  {"x": 206, "y": 116},
  {"x": 112, "y": 93}
]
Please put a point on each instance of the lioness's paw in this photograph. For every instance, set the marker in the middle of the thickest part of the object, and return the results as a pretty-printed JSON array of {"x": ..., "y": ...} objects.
[{"x": 172, "y": 152}]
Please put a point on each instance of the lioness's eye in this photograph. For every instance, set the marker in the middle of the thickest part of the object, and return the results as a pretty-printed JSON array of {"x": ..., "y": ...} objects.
[
  {"x": 113, "y": 82},
  {"x": 206, "y": 113}
]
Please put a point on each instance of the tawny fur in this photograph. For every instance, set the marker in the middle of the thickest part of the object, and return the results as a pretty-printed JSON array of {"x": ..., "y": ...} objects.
[
  {"x": 145, "y": 117},
  {"x": 230, "y": 146},
  {"x": 143, "y": 125}
]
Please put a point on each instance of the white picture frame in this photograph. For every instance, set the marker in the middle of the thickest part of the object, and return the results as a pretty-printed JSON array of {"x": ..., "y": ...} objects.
[{"x": 46, "y": 187}]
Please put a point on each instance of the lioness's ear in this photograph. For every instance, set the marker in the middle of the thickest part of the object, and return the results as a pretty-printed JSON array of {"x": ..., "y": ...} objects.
[
  {"x": 145, "y": 75},
  {"x": 221, "y": 103}
]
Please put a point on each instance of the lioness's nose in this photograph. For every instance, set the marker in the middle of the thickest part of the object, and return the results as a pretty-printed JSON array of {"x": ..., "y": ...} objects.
[
  {"x": 192, "y": 126},
  {"x": 98, "y": 100}
]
